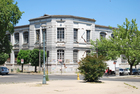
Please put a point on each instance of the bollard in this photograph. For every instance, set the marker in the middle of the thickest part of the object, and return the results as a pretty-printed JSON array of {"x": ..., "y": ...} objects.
[{"x": 78, "y": 76}]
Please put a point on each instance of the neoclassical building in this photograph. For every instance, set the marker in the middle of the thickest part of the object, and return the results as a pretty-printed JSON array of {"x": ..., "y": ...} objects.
[{"x": 67, "y": 38}]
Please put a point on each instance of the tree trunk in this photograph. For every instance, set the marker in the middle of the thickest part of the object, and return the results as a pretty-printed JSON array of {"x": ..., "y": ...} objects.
[
  {"x": 131, "y": 69},
  {"x": 135, "y": 67},
  {"x": 22, "y": 68},
  {"x": 35, "y": 69}
]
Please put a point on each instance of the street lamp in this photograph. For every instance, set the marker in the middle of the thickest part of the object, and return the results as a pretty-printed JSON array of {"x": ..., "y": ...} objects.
[{"x": 44, "y": 76}]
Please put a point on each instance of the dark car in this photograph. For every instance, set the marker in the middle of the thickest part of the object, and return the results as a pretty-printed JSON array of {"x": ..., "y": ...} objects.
[{"x": 134, "y": 71}]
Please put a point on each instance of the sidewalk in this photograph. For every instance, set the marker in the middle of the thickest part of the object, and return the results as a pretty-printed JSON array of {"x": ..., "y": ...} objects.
[{"x": 69, "y": 87}]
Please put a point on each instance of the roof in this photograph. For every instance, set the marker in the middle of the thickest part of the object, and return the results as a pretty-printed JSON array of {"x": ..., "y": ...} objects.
[
  {"x": 105, "y": 26},
  {"x": 21, "y": 26},
  {"x": 63, "y": 16}
]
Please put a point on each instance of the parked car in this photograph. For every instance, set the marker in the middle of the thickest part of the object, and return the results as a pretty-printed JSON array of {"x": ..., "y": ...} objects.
[
  {"x": 121, "y": 71},
  {"x": 134, "y": 71},
  {"x": 4, "y": 70},
  {"x": 139, "y": 71},
  {"x": 126, "y": 71}
]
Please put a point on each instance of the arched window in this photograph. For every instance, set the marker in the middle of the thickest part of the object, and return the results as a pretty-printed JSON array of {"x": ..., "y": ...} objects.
[
  {"x": 102, "y": 35},
  {"x": 87, "y": 52},
  {"x": 26, "y": 37},
  {"x": 112, "y": 35},
  {"x": 16, "y": 38},
  {"x": 60, "y": 55}
]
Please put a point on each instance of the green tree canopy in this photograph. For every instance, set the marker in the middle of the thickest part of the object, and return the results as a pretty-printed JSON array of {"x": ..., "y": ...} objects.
[
  {"x": 9, "y": 17},
  {"x": 34, "y": 57},
  {"x": 23, "y": 54},
  {"x": 3, "y": 58},
  {"x": 125, "y": 41}
]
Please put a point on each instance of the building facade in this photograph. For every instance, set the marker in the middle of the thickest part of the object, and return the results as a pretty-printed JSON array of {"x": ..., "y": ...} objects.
[{"x": 67, "y": 38}]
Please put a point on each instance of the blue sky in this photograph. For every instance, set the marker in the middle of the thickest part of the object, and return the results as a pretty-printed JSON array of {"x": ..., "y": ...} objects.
[{"x": 105, "y": 12}]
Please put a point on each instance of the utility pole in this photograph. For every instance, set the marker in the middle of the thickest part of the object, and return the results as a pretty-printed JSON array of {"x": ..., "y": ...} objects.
[{"x": 39, "y": 52}]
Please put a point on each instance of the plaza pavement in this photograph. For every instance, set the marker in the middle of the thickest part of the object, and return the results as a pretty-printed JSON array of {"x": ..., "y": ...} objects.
[{"x": 71, "y": 87}]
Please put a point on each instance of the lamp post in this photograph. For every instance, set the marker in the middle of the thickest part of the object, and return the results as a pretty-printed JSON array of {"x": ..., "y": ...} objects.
[{"x": 44, "y": 76}]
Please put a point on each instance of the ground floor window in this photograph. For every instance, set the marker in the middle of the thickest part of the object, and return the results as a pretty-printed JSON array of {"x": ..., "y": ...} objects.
[
  {"x": 123, "y": 59},
  {"x": 60, "y": 55},
  {"x": 75, "y": 56}
]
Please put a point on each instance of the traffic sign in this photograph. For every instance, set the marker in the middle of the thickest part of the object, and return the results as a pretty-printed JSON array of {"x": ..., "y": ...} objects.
[{"x": 22, "y": 61}]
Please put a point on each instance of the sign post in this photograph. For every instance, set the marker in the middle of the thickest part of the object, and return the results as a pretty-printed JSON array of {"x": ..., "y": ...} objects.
[
  {"x": 22, "y": 61},
  {"x": 60, "y": 61}
]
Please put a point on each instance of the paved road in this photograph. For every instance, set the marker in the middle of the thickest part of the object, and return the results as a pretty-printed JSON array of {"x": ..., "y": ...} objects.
[{"x": 21, "y": 78}]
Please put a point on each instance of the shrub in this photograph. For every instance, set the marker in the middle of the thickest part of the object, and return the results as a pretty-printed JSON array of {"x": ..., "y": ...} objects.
[
  {"x": 92, "y": 67},
  {"x": 47, "y": 78}
]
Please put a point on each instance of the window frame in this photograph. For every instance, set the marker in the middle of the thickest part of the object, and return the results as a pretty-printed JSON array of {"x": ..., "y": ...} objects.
[
  {"x": 16, "y": 38},
  {"x": 26, "y": 35},
  {"x": 102, "y": 35},
  {"x": 88, "y": 35},
  {"x": 75, "y": 35},
  {"x": 61, "y": 55},
  {"x": 60, "y": 34},
  {"x": 37, "y": 34},
  {"x": 75, "y": 56}
]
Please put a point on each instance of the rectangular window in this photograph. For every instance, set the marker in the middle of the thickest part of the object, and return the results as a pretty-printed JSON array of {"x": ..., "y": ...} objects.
[
  {"x": 60, "y": 55},
  {"x": 88, "y": 35},
  {"x": 16, "y": 55},
  {"x": 37, "y": 35},
  {"x": 44, "y": 30},
  {"x": 25, "y": 35},
  {"x": 60, "y": 34},
  {"x": 16, "y": 38},
  {"x": 75, "y": 35},
  {"x": 75, "y": 56}
]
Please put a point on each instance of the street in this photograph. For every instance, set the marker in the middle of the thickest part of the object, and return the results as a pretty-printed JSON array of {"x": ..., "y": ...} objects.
[{"x": 24, "y": 78}]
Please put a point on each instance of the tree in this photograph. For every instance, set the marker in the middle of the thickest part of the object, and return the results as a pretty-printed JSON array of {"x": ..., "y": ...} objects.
[
  {"x": 3, "y": 58},
  {"x": 92, "y": 67},
  {"x": 23, "y": 54},
  {"x": 125, "y": 41},
  {"x": 9, "y": 17},
  {"x": 34, "y": 58}
]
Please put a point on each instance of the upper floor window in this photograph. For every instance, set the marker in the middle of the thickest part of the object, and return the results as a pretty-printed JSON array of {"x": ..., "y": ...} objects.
[
  {"x": 102, "y": 35},
  {"x": 60, "y": 55},
  {"x": 26, "y": 37},
  {"x": 87, "y": 52},
  {"x": 16, "y": 38},
  {"x": 88, "y": 35},
  {"x": 37, "y": 35},
  {"x": 60, "y": 34},
  {"x": 75, "y": 35},
  {"x": 112, "y": 35},
  {"x": 43, "y": 32},
  {"x": 75, "y": 56},
  {"x": 9, "y": 37}
]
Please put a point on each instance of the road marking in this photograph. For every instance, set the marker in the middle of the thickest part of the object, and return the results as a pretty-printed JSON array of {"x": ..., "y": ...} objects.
[{"x": 7, "y": 76}]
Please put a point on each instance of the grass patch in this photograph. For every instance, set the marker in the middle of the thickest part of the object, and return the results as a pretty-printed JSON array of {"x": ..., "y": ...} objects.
[{"x": 131, "y": 86}]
